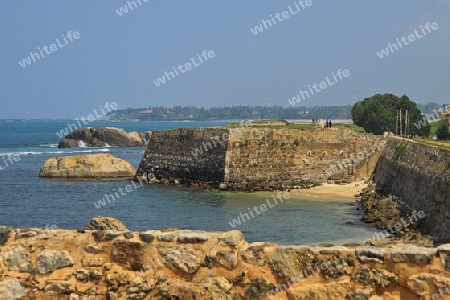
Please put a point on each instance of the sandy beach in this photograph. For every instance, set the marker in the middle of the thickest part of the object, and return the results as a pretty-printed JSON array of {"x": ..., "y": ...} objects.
[{"x": 333, "y": 191}]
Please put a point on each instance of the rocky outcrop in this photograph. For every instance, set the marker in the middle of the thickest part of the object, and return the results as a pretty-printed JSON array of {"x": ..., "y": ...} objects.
[
  {"x": 102, "y": 137},
  {"x": 258, "y": 159},
  {"x": 181, "y": 264},
  {"x": 87, "y": 166},
  {"x": 397, "y": 220}
]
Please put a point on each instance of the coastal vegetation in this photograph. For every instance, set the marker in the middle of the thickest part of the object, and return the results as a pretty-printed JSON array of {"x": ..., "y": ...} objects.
[
  {"x": 399, "y": 149},
  {"x": 160, "y": 113},
  {"x": 442, "y": 130},
  {"x": 178, "y": 113},
  {"x": 378, "y": 114}
]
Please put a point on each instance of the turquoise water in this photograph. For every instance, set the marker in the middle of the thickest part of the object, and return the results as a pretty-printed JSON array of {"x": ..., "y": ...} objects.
[{"x": 27, "y": 200}]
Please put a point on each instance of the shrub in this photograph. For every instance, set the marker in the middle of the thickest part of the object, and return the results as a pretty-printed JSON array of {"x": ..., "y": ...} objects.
[
  {"x": 442, "y": 131},
  {"x": 400, "y": 149}
]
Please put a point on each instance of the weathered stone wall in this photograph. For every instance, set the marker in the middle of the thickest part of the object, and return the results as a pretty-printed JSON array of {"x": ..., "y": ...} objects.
[
  {"x": 264, "y": 158},
  {"x": 420, "y": 175},
  {"x": 255, "y": 159},
  {"x": 180, "y": 154},
  {"x": 69, "y": 264}
]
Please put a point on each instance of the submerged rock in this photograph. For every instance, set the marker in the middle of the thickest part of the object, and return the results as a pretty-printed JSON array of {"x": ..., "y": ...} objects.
[{"x": 87, "y": 166}]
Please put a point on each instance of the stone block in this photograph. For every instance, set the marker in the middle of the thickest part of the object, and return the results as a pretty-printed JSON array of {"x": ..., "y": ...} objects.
[
  {"x": 166, "y": 237},
  {"x": 192, "y": 237},
  {"x": 413, "y": 254},
  {"x": 50, "y": 260},
  {"x": 370, "y": 254},
  {"x": 230, "y": 238},
  {"x": 444, "y": 253},
  {"x": 147, "y": 237}
]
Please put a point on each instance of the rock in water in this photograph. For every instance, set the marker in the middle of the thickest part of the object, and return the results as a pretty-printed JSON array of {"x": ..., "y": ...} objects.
[
  {"x": 148, "y": 135},
  {"x": 87, "y": 166},
  {"x": 115, "y": 137},
  {"x": 105, "y": 223},
  {"x": 105, "y": 136},
  {"x": 136, "y": 137},
  {"x": 68, "y": 143},
  {"x": 83, "y": 134}
]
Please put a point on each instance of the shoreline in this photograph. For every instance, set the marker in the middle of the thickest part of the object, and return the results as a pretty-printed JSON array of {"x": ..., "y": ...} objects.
[
  {"x": 325, "y": 191},
  {"x": 333, "y": 191}
]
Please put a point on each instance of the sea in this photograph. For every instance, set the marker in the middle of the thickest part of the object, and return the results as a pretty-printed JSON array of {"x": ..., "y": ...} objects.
[{"x": 26, "y": 200}]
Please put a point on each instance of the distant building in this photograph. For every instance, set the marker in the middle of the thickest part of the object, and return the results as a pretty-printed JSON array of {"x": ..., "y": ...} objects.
[
  {"x": 146, "y": 112},
  {"x": 447, "y": 117}
]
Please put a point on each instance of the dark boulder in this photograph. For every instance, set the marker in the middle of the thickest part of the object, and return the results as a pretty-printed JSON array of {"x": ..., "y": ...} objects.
[
  {"x": 102, "y": 137},
  {"x": 68, "y": 143},
  {"x": 83, "y": 134},
  {"x": 114, "y": 137}
]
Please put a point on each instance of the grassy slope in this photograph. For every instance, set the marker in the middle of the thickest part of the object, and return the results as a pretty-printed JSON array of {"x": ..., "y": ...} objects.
[{"x": 352, "y": 127}]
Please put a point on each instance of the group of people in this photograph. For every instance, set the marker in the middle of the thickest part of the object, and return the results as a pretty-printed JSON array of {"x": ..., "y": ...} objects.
[{"x": 328, "y": 124}]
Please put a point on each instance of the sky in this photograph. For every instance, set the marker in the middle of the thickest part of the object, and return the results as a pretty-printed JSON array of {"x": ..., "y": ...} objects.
[{"x": 117, "y": 58}]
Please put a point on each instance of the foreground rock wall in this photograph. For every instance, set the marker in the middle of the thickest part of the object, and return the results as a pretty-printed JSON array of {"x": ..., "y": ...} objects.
[
  {"x": 420, "y": 175},
  {"x": 256, "y": 159},
  {"x": 58, "y": 264}
]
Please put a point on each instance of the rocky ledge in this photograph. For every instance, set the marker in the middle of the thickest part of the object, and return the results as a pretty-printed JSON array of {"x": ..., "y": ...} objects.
[
  {"x": 87, "y": 166},
  {"x": 399, "y": 223},
  {"x": 103, "y": 137},
  {"x": 184, "y": 264}
]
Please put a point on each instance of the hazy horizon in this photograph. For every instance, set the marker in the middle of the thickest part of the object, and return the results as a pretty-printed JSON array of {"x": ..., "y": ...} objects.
[{"x": 95, "y": 53}]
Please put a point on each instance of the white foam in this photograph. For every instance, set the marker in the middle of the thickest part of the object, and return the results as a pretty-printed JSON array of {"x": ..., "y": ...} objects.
[{"x": 53, "y": 152}]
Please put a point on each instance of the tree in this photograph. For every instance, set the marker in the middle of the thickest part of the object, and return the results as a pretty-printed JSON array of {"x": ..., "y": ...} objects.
[
  {"x": 442, "y": 131},
  {"x": 377, "y": 114}
]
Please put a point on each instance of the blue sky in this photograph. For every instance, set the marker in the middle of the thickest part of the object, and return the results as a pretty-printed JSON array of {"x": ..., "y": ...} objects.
[{"x": 117, "y": 58}]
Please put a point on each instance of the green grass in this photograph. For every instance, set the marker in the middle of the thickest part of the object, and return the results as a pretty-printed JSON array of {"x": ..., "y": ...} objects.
[
  {"x": 352, "y": 127},
  {"x": 290, "y": 126},
  {"x": 431, "y": 143}
]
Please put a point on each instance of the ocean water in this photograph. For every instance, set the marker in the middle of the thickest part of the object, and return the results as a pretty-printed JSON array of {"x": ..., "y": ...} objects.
[{"x": 29, "y": 201}]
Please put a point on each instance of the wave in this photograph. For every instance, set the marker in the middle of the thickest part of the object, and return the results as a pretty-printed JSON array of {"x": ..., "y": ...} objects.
[
  {"x": 53, "y": 152},
  {"x": 49, "y": 145}
]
